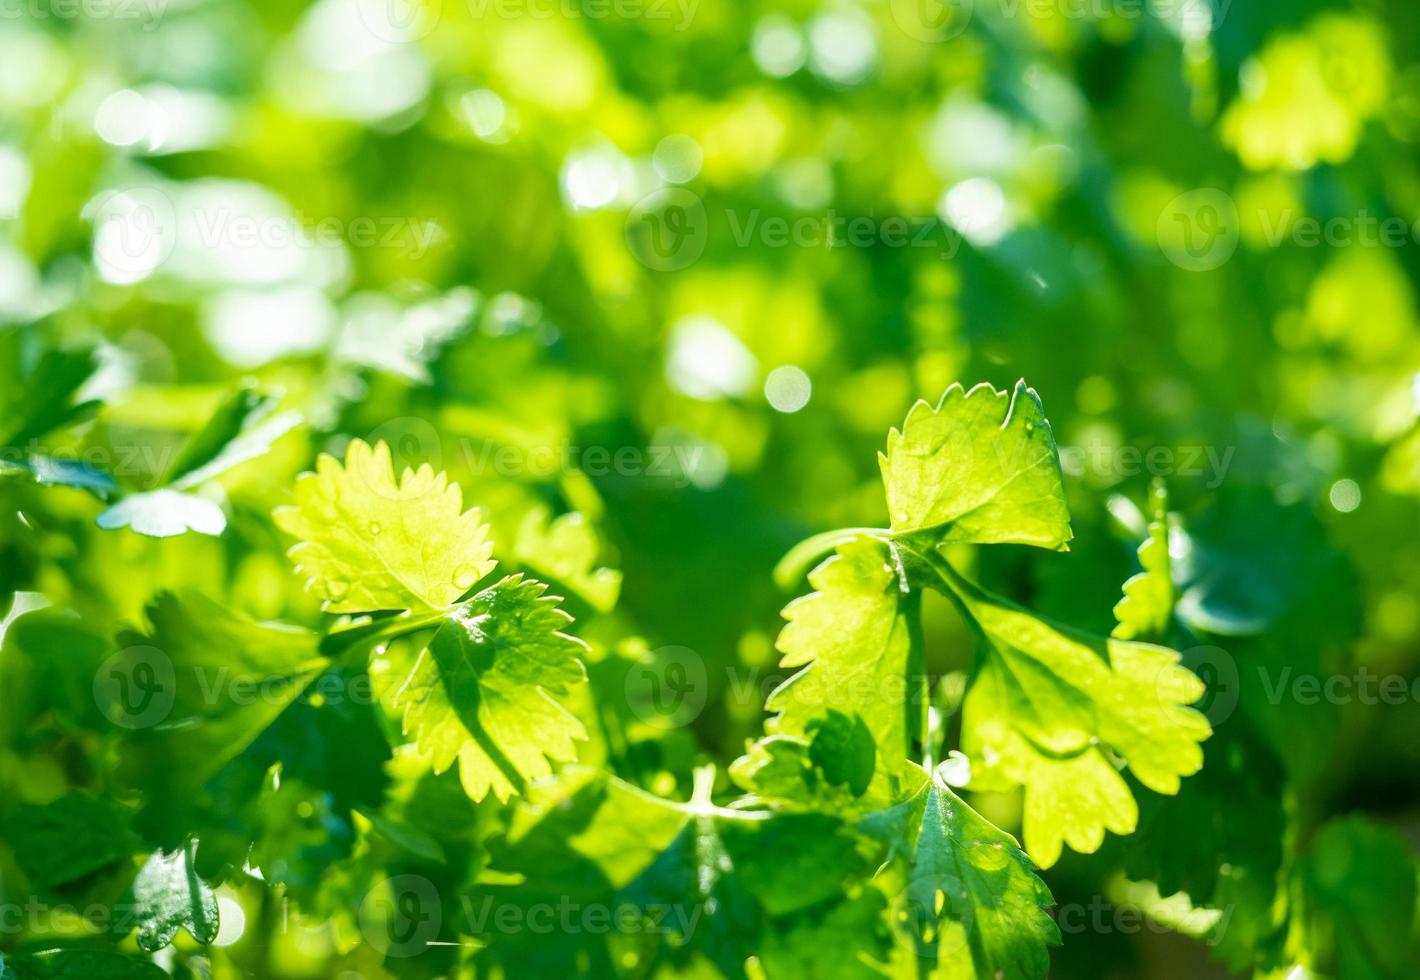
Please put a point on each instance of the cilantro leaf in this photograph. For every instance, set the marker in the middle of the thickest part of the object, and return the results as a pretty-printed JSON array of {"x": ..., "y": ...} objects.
[
  {"x": 565, "y": 550},
  {"x": 981, "y": 466},
  {"x": 40, "y": 399},
  {"x": 239, "y": 430},
  {"x": 168, "y": 895},
  {"x": 242, "y": 428},
  {"x": 706, "y": 879},
  {"x": 1359, "y": 894},
  {"x": 484, "y": 691},
  {"x": 1146, "y": 610},
  {"x": 163, "y": 513},
  {"x": 852, "y": 640},
  {"x": 69, "y": 838},
  {"x": 191, "y": 692},
  {"x": 1046, "y": 704},
  {"x": 77, "y": 964},
  {"x": 843, "y": 943},
  {"x": 979, "y": 909},
  {"x": 368, "y": 543}
]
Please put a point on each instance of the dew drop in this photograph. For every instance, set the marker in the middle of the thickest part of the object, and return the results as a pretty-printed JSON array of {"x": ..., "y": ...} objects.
[
  {"x": 338, "y": 589},
  {"x": 1030, "y": 427},
  {"x": 375, "y": 528}
]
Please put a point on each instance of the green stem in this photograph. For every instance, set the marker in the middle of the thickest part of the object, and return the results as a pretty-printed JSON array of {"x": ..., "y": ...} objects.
[
  {"x": 804, "y": 555},
  {"x": 919, "y": 700}
]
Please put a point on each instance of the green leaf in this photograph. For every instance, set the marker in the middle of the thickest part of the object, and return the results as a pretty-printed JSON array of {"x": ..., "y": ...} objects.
[
  {"x": 78, "y": 964},
  {"x": 1146, "y": 610},
  {"x": 978, "y": 908},
  {"x": 1049, "y": 704},
  {"x": 57, "y": 471},
  {"x": 851, "y": 640},
  {"x": 1219, "y": 840},
  {"x": 841, "y": 944},
  {"x": 167, "y": 895},
  {"x": 980, "y": 467},
  {"x": 697, "y": 878},
  {"x": 241, "y": 429},
  {"x": 844, "y": 750},
  {"x": 1359, "y": 887},
  {"x": 565, "y": 550},
  {"x": 70, "y": 838},
  {"x": 48, "y": 663},
  {"x": 485, "y": 691},
  {"x": 39, "y": 400},
  {"x": 193, "y": 691},
  {"x": 368, "y": 543},
  {"x": 164, "y": 513}
]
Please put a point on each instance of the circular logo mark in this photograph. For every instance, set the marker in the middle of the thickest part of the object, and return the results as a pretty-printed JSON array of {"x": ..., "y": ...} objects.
[
  {"x": 413, "y": 442},
  {"x": 667, "y": 687},
  {"x": 135, "y": 232},
  {"x": 667, "y": 230},
  {"x": 1198, "y": 230},
  {"x": 1218, "y": 671},
  {"x": 401, "y": 916},
  {"x": 399, "y": 21},
  {"x": 931, "y": 21},
  {"x": 135, "y": 688}
]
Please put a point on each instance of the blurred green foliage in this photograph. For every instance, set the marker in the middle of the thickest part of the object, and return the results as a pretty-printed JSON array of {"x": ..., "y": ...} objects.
[{"x": 651, "y": 281}]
